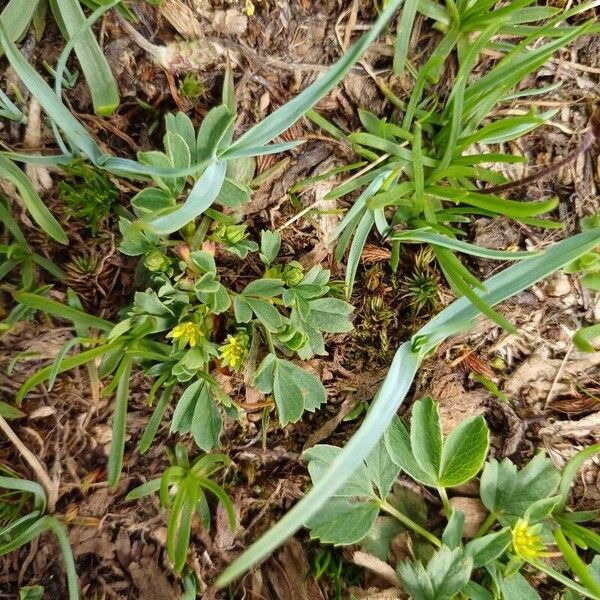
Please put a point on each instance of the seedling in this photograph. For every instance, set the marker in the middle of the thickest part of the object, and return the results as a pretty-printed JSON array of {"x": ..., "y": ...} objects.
[{"x": 183, "y": 488}]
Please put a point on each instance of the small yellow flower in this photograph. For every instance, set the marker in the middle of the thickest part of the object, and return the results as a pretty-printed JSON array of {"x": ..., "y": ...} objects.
[
  {"x": 527, "y": 541},
  {"x": 187, "y": 333},
  {"x": 249, "y": 8},
  {"x": 234, "y": 351}
]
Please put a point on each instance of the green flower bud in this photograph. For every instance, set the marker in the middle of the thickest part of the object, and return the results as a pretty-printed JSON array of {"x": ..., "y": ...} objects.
[
  {"x": 229, "y": 234},
  {"x": 293, "y": 273},
  {"x": 156, "y": 261}
]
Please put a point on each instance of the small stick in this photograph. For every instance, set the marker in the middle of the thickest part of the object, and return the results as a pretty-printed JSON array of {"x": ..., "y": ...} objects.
[{"x": 589, "y": 138}]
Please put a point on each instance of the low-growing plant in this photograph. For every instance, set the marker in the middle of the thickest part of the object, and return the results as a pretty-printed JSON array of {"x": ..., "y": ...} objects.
[
  {"x": 457, "y": 317},
  {"x": 87, "y": 194},
  {"x": 527, "y": 512},
  {"x": 183, "y": 488},
  {"x": 187, "y": 322},
  {"x": 424, "y": 175},
  {"x": 23, "y": 528}
]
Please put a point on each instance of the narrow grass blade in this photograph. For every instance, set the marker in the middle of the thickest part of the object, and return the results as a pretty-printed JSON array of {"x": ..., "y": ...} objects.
[
  {"x": 356, "y": 249},
  {"x": 426, "y": 237},
  {"x": 56, "y": 110},
  {"x": 95, "y": 67},
  {"x": 117, "y": 448},
  {"x": 70, "y": 362},
  {"x": 62, "y": 311},
  {"x": 405, "y": 27},
  {"x": 569, "y": 472},
  {"x": 284, "y": 117},
  {"x": 16, "y": 17},
  {"x": 37, "y": 209},
  {"x": 63, "y": 541}
]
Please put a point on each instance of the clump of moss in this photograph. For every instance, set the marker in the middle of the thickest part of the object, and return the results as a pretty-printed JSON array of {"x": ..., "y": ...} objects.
[{"x": 87, "y": 194}]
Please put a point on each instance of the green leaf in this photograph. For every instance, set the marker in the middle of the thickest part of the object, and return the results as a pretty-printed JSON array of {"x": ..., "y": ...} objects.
[
  {"x": 330, "y": 315},
  {"x": 270, "y": 243},
  {"x": 343, "y": 522},
  {"x": 405, "y": 28},
  {"x": 95, "y": 67},
  {"x": 397, "y": 441},
  {"x": 202, "y": 195},
  {"x": 453, "y": 532},
  {"x": 447, "y": 573},
  {"x": 464, "y": 452},
  {"x": 31, "y": 592},
  {"x": 356, "y": 249},
  {"x": 541, "y": 508},
  {"x": 321, "y": 457},
  {"x": 295, "y": 390},
  {"x": 181, "y": 421},
  {"x": 379, "y": 539},
  {"x": 10, "y": 412},
  {"x": 426, "y": 436},
  {"x": 264, "y": 288},
  {"x": 207, "y": 422},
  {"x": 37, "y": 209},
  {"x": 382, "y": 470},
  {"x": 117, "y": 447},
  {"x": 266, "y": 313},
  {"x": 570, "y": 471},
  {"x": 488, "y": 548},
  {"x": 62, "y": 311},
  {"x": 504, "y": 490},
  {"x": 16, "y": 17},
  {"x": 213, "y": 129}
]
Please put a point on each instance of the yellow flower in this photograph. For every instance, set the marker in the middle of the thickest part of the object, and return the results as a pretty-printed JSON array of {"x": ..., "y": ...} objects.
[
  {"x": 187, "y": 333},
  {"x": 234, "y": 350},
  {"x": 249, "y": 8},
  {"x": 527, "y": 541}
]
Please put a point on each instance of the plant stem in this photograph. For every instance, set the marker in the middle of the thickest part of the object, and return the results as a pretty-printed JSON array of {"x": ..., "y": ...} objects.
[
  {"x": 410, "y": 523},
  {"x": 485, "y": 526},
  {"x": 269, "y": 339},
  {"x": 445, "y": 501},
  {"x": 198, "y": 237}
]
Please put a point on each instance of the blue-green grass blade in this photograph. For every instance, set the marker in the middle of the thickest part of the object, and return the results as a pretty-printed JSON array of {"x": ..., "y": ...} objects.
[{"x": 284, "y": 117}]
